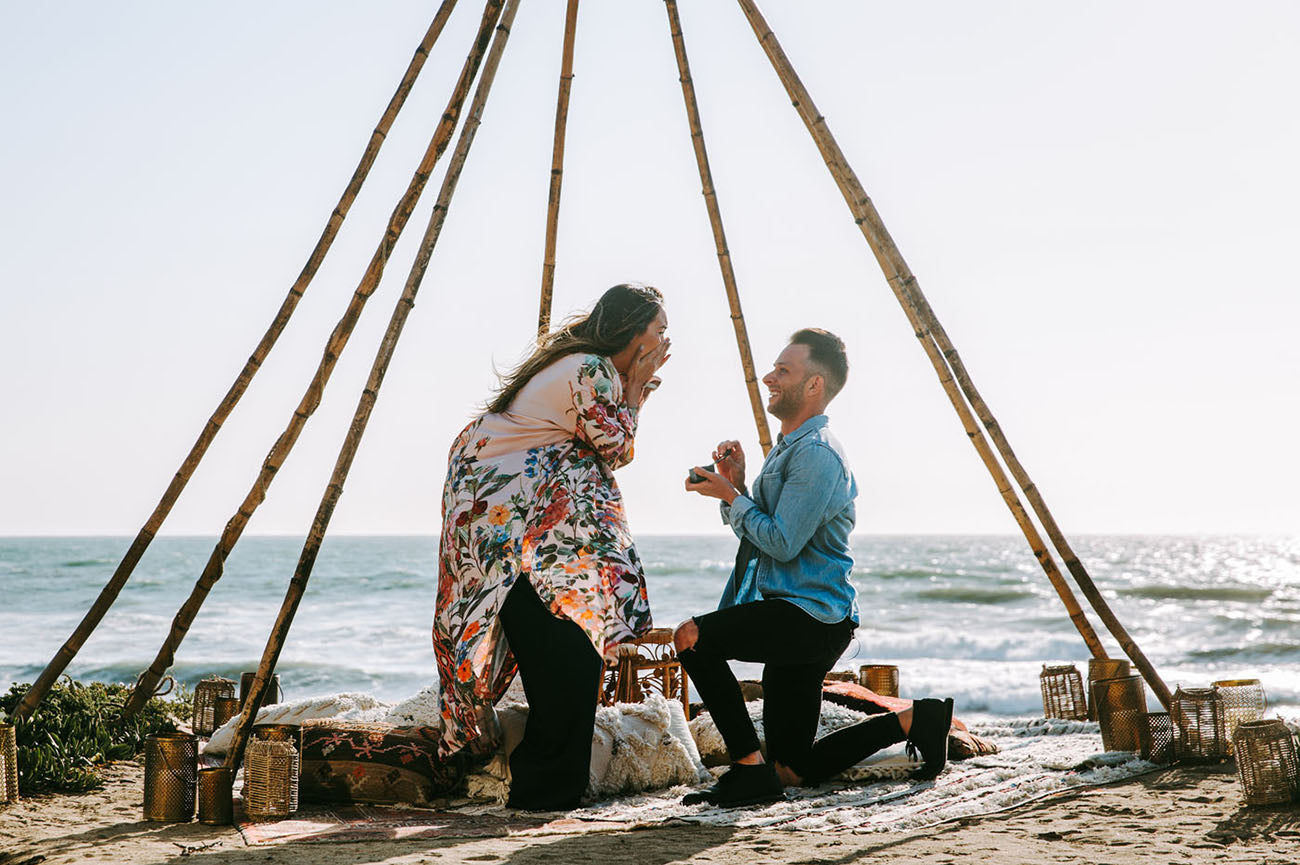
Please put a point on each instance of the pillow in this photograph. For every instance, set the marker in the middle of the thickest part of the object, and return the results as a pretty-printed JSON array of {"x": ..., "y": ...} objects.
[{"x": 353, "y": 762}]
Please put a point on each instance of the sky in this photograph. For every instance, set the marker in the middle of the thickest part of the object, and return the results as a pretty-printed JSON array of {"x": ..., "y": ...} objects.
[{"x": 1098, "y": 200}]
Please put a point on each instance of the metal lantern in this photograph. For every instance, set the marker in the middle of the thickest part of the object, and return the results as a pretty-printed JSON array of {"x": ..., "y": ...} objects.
[
  {"x": 1104, "y": 668},
  {"x": 1200, "y": 725},
  {"x": 216, "y": 801},
  {"x": 880, "y": 678},
  {"x": 171, "y": 765},
  {"x": 1062, "y": 689},
  {"x": 8, "y": 763},
  {"x": 274, "y": 693},
  {"x": 1266, "y": 762},
  {"x": 206, "y": 694},
  {"x": 1121, "y": 705}
]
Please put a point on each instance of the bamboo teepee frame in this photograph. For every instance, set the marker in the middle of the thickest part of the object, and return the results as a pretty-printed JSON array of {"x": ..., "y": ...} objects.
[{"x": 497, "y": 17}]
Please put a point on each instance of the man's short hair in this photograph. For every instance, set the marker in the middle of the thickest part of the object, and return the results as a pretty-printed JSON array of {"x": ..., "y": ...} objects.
[{"x": 827, "y": 354}]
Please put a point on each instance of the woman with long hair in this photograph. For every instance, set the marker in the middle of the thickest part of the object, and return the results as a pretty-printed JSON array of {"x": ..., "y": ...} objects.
[{"x": 537, "y": 573}]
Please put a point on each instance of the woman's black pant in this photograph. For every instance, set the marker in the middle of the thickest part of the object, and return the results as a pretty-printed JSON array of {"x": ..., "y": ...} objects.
[
  {"x": 796, "y": 651},
  {"x": 561, "y": 671}
]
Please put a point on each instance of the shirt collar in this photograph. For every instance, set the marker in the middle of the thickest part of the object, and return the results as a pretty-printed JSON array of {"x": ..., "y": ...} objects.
[{"x": 815, "y": 422}]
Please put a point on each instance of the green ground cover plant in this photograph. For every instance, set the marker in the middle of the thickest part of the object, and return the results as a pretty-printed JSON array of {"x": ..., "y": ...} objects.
[{"x": 79, "y": 727}]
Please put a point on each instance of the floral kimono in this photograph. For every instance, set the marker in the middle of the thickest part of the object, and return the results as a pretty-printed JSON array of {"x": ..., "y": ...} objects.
[{"x": 531, "y": 492}]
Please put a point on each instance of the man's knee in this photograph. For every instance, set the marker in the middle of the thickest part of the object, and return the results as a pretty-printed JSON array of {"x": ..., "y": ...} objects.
[{"x": 686, "y": 636}]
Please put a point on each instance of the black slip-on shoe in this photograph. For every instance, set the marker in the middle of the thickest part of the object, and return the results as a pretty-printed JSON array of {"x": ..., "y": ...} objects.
[
  {"x": 931, "y": 721},
  {"x": 742, "y": 785}
]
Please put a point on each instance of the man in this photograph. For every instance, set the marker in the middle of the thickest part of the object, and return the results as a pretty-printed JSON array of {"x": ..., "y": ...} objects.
[{"x": 789, "y": 603}]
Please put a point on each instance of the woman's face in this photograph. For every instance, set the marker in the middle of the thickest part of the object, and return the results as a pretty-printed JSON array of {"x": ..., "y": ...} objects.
[{"x": 655, "y": 333}]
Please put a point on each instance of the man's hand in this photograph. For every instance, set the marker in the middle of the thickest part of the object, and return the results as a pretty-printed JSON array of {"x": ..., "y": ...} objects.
[
  {"x": 729, "y": 457},
  {"x": 714, "y": 486}
]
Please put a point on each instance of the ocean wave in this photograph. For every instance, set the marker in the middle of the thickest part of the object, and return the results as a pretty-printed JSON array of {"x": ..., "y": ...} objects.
[
  {"x": 1265, "y": 651},
  {"x": 974, "y": 595},
  {"x": 85, "y": 563},
  {"x": 1198, "y": 593}
]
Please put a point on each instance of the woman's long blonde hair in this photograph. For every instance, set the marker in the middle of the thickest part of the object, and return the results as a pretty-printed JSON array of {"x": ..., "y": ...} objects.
[{"x": 622, "y": 314}]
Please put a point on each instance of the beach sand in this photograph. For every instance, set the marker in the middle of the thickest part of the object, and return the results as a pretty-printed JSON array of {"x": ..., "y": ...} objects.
[{"x": 1179, "y": 815}]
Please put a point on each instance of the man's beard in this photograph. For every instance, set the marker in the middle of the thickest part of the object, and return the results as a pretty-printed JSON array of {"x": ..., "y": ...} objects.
[{"x": 786, "y": 405}]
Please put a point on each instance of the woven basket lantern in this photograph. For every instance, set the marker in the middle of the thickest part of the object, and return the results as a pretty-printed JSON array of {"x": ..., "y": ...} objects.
[
  {"x": 1200, "y": 725},
  {"x": 880, "y": 678},
  {"x": 1266, "y": 762},
  {"x": 171, "y": 768},
  {"x": 8, "y": 764},
  {"x": 216, "y": 802},
  {"x": 1104, "y": 668},
  {"x": 1243, "y": 700},
  {"x": 1121, "y": 712},
  {"x": 270, "y": 779},
  {"x": 1062, "y": 689},
  {"x": 206, "y": 694},
  {"x": 1157, "y": 738}
]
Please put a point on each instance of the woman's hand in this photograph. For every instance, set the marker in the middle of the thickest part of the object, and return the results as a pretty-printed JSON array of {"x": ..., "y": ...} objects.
[{"x": 642, "y": 370}]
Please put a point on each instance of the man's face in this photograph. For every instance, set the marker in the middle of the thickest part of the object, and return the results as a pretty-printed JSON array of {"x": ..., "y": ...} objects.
[{"x": 787, "y": 383}]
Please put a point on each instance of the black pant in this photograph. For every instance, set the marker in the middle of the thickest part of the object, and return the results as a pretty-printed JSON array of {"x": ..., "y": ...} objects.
[
  {"x": 560, "y": 669},
  {"x": 796, "y": 651}
]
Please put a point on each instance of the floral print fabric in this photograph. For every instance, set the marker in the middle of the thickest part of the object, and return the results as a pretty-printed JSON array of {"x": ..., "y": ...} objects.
[{"x": 550, "y": 511}]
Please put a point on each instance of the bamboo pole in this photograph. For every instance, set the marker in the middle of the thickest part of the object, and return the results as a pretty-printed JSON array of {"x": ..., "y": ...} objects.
[
  {"x": 903, "y": 283},
  {"x": 715, "y": 219},
  {"x": 557, "y": 169},
  {"x": 333, "y": 349},
  {"x": 333, "y": 491},
  {"x": 146, "y": 534}
]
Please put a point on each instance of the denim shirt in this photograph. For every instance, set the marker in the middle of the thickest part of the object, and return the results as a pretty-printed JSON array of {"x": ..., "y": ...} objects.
[{"x": 799, "y": 517}]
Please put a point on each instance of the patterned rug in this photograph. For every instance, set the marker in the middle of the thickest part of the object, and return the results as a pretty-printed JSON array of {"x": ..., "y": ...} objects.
[
  {"x": 325, "y": 823},
  {"x": 1038, "y": 759}
]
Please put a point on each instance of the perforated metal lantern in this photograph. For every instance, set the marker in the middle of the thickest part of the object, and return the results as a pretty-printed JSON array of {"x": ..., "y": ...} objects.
[
  {"x": 1104, "y": 668},
  {"x": 171, "y": 768},
  {"x": 1243, "y": 700},
  {"x": 1062, "y": 689},
  {"x": 1121, "y": 712},
  {"x": 880, "y": 678},
  {"x": 8, "y": 763},
  {"x": 1200, "y": 725},
  {"x": 206, "y": 694},
  {"x": 270, "y": 779},
  {"x": 1266, "y": 762},
  {"x": 216, "y": 801}
]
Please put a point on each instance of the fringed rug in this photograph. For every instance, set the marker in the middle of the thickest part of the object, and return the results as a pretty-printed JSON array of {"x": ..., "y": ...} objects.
[
  {"x": 324, "y": 824},
  {"x": 1038, "y": 759}
]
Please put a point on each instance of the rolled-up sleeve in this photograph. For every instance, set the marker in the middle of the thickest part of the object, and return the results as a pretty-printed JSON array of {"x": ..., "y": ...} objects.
[{"x": 812, "y": 477}]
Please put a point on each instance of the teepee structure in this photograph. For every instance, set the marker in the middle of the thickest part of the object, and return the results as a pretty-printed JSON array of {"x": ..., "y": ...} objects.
[{"x": 478, "y": 71}]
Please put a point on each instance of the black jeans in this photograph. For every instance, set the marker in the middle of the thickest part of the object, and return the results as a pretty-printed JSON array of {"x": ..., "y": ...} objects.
[
  {"x": 561, "y": 671},
  {"x": 796, "y": 651}
]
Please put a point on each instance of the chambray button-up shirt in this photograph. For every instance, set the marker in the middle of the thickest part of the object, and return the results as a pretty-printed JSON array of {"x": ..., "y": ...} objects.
[{"x": 799, "y": 516}]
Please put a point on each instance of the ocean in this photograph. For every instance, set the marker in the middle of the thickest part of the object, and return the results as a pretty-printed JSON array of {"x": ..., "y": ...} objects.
[{"x": 972, "y": 617}]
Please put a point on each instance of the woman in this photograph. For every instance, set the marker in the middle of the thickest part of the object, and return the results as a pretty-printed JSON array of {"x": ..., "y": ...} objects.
[{"x": 537, "y": 572}]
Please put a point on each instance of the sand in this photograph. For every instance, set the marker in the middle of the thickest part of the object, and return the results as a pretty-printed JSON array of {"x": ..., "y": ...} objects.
[{"x": 1178, "y": 815}]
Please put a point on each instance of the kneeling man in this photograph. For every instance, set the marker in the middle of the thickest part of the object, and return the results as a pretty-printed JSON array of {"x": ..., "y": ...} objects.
[{"x": 789, "y": 603}]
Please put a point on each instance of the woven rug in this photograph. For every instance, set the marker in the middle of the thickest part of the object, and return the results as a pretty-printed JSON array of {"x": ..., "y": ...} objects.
[
  {"x": 347, "y": 823},
  {"x": 1038, "y": 759}
]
